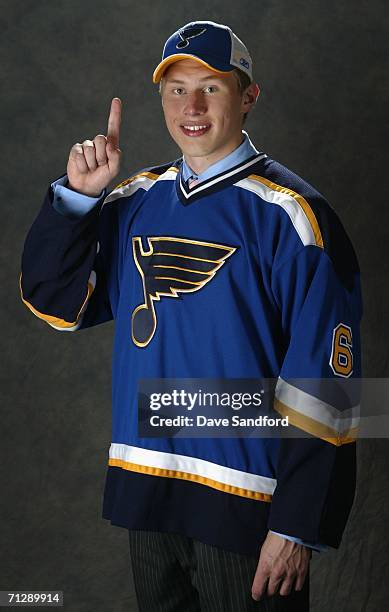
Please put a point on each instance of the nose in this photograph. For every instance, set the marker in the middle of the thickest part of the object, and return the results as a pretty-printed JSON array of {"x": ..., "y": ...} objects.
[{"x": 195, "y": 103}]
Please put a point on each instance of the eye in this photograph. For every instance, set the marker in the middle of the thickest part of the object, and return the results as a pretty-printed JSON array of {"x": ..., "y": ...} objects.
[
  {"x": 210, "y": 89},
  {"x": 178, "y": 90}
]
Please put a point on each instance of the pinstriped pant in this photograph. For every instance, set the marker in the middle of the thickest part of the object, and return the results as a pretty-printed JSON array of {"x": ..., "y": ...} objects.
[{"x": 174, "y": 573}]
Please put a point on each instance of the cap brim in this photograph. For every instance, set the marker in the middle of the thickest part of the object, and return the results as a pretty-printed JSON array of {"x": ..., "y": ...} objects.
[{"x": 160, "y": 69}]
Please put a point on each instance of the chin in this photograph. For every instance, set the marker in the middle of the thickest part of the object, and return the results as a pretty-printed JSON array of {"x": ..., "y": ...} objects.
[
  {"x": 201, "y": 146},
  {"x": 195, "y": 151}
]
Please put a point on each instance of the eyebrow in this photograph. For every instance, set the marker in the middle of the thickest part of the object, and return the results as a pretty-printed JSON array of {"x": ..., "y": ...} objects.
[{"x": 207, "y": 78}]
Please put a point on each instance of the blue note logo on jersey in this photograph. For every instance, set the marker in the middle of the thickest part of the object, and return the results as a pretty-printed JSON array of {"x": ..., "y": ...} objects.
[
  {"x": 169, "y": 267},
  {"x": 188, "y": 33}
]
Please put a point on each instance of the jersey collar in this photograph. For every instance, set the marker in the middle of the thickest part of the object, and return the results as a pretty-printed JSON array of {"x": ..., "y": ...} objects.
[
  {"x": 214, "y": 183},
  {"x": 241, "y": 153}
]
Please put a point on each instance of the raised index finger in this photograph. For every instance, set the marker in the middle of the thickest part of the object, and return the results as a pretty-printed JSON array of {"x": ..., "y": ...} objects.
[{"x": 114, "y": 120}]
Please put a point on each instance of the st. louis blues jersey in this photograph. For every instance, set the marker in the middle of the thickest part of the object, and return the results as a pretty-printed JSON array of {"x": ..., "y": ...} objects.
[{"x": 251, "y": 275}]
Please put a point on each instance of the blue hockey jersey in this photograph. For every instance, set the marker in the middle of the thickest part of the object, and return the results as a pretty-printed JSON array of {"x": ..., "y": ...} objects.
[{"x": 248, "y": 275}]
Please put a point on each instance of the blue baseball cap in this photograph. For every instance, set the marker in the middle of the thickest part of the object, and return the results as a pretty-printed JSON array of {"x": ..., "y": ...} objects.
[{"x": 212, "y": 44}]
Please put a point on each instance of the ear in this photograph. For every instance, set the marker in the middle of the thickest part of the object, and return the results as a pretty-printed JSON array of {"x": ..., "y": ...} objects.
[
  {"x": 249, "y": 97},
  {"x": 160, "y": 89}
]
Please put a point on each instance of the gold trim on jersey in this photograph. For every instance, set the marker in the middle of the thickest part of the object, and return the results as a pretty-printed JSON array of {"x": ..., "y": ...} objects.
[
  {"x": 315, "y": 427},
  {"x": 150, "y": 175},
  {"x": 209, "y": 482},
  {"x": 118, "y": 192},
  {"x": 173, "y": 289},
  {"x": 50, "y": 319},
  {"x": 299, "y": 199},
  {"x": 181, "y": 268},
  {"x": 185, "y": 256},
  {"x": 127, "y": 181}
]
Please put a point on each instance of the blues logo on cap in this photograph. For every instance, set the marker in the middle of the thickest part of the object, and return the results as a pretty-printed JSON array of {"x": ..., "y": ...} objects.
[{"x": 211, "y": 44}]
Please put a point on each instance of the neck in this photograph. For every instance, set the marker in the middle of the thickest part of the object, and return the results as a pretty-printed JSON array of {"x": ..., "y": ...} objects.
[{"x": 200, "y": 164}]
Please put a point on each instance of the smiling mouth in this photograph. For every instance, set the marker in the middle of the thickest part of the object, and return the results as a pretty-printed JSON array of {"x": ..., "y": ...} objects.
[{"x": 194, "y": 131}]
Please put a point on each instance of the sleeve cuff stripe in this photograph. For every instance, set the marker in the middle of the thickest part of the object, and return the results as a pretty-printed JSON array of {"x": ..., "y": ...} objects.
[
  {"x": 315, "y": 428},
  {"x": 57, "y": 322},
  {"x": 315, "y": 408}
]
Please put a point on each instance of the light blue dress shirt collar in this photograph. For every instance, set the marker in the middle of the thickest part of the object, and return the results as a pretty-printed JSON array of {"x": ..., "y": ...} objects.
[
  {"x": 245, "y": 150},
  {"x": 71, "y": 203}
]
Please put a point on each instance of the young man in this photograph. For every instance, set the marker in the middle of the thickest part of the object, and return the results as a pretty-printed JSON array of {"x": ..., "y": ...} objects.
[{"x": 221, "y": 265}]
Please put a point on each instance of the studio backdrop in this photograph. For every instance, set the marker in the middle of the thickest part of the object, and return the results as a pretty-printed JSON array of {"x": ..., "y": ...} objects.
[{"x": 323, "y": 72}]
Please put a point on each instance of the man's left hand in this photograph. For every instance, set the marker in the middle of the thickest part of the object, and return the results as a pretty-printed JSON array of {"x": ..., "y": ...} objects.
[{"x": 281, "y": 563}]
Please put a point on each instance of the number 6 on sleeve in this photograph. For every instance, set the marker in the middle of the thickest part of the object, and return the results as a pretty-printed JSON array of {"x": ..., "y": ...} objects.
[{"x": 341, "y": 360}]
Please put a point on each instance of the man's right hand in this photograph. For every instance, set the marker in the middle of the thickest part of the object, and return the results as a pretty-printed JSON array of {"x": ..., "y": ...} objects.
[{"x": 93, "y": 164}]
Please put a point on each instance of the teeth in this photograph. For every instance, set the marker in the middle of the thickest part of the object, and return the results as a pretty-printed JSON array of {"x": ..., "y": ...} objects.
[{"x": 194, "y": 128}]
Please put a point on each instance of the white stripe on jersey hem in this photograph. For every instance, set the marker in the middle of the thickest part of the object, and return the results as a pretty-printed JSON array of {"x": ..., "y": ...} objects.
[
  {"x": 287, "y": 202},
  {"x": 207, "y": 184},
  {"x": 314, "y": 408},
  {"x": 192, "y": 465}
]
